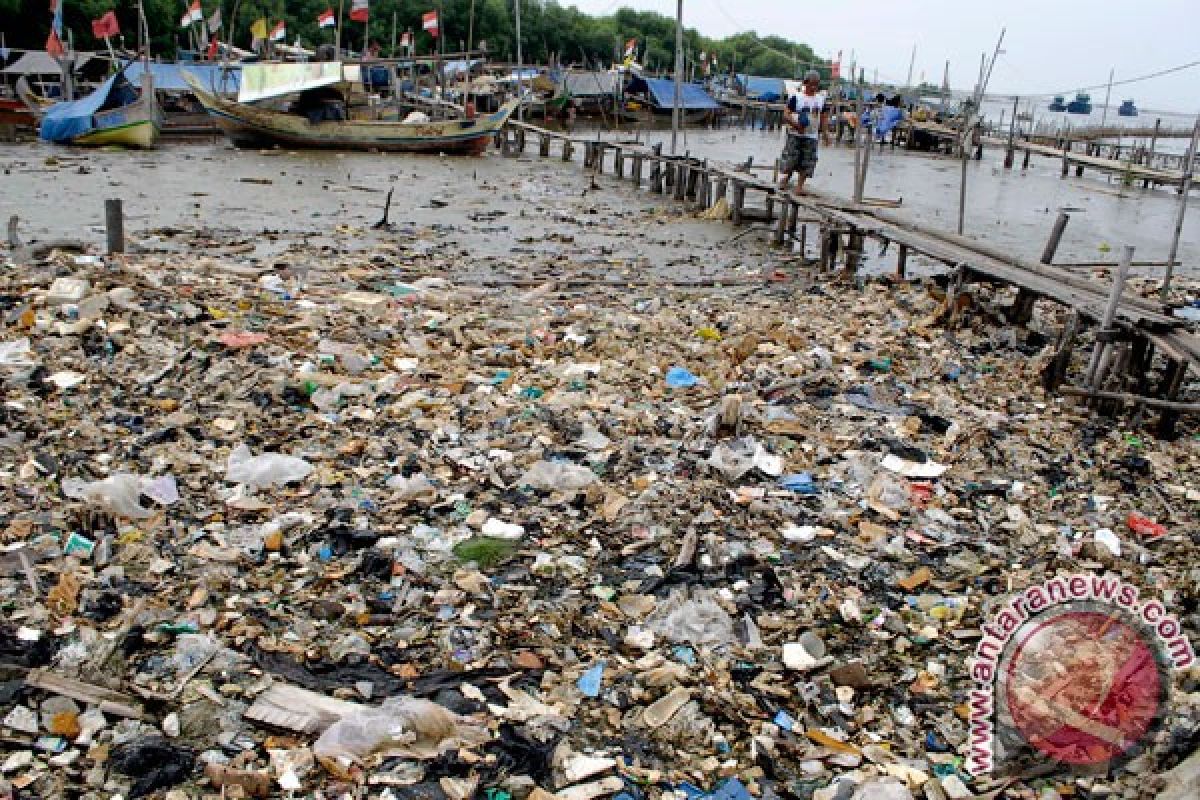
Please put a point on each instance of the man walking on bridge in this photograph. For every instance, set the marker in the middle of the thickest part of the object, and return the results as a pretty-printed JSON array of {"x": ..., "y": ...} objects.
[{"x": 805, "y": 118}]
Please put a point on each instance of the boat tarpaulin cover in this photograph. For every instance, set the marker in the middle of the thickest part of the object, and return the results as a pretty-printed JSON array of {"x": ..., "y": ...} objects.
[
  {"x": 260, "y": 81},
  {"x": 169, "y": 77},
  {"x": 770, "y": 90},
  {"x": 662, "y": 91},
  {"x": 65, "y": 121}
]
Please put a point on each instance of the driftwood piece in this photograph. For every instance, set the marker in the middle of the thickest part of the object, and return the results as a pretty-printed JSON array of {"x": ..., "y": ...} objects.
[{"x": 107, "y": 700}]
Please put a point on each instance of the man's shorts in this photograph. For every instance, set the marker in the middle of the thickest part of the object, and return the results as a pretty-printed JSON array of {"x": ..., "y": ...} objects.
[{"x": 800, "y": 155}]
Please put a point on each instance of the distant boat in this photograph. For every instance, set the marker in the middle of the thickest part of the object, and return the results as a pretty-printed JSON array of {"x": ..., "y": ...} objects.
[
  {"x": 114, "y": 114},
  {"x": 249, "y": 125},
  {"x": 1127, "y": 109},
  {"x": 1059, "y": 103},
  {"x": 1082, "y": 104}
]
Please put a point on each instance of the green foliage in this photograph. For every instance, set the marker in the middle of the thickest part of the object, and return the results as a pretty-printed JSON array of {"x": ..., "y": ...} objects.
[{"x": 549, "y": 30}]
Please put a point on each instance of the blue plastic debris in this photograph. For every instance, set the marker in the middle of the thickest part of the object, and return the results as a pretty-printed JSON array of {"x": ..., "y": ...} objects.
[
  {"x": 784, "y": 720},
  {"x": 589, "y": 682},
  {"x": 800, "y": 482},
  {"x": 730, "y": 789},
  {"x": 685, "y": 655},
  {"x": 681, "y": 378}
]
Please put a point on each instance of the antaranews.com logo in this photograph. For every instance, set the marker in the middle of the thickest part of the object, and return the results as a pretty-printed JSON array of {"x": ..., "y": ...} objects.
[{"x": 1075, "y": 670}]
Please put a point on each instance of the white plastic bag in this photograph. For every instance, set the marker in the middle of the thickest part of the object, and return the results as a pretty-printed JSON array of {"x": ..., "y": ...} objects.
[
  {"x": 698, "y": 621},
  {"x": 414, "y": 725},
  {"x": 268, "y": 469},
  {"x": 117, "y": 494},
  {"x": 557, "y": 476}
]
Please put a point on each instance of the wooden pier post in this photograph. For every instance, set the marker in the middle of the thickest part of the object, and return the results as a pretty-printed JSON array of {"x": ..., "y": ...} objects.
[
  {"x": 114, "y": 225},
  {"x": 739, "y": 201},
  {"x": 637, "y": 170},
  {"x": 693, "y": 181},
  {"x": 544, "y": 146},
  {"x": 681, "y": 181},
  {"x": 619, "y": 163},
  {"x": 902, "y": 262},
  {"x": 520, "y": 140},
  {"x": 1025, "y": 161},
  {"x": 1171, "y": 384},
  {"x": 568, "y": 150},
  {"x": 1021, "y": 310},
  {"x": 1010, "y": 153},
  {"x": 1066, "y": 166},
  {"x": 1105, "y": 333}
]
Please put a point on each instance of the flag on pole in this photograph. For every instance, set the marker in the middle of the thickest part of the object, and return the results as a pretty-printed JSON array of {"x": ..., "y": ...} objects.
[
  {"x": 193, "y": 15},
  {"x": 429, "y": 22},
  {"x": 213, "y": 47},
  {"x": 106, "y": 26},
  {"x": 258, "y": 31},
  {"x": 279, "y": 32},
  {"x": 326, "y": 19},
  {"x": 405, "y": 39},
  {"x": 214, "y": 22},
  {"x": 631, "y": 48},
  {"x": 360, "y": 11},
  {"x": 54, "y": 41},
  {"x": 836, "y": 67}
]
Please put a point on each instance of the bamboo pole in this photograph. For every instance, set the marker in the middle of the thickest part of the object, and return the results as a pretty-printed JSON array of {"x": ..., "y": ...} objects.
[
  {"x": 1185, "y": 189},
  {"x": 677, "y": 105}
]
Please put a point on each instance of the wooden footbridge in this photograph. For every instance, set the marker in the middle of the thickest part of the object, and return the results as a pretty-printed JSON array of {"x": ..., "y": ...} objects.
[{"x": 1135, "y": 335}]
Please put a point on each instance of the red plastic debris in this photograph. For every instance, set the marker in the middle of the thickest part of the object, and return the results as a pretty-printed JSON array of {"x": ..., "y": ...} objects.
[{"x": 1145, "y": 527}]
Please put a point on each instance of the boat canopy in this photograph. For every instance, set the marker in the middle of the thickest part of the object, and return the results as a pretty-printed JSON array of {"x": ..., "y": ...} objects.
[
  {"x": 588, "y": 84},
  {"x": 64, "y": 122},
  {"x": 262, "y": 81},
  {"x": 39, "y": 62},
  {"x": 169, "y": 77},
  {"x": 769, "y": 90},
  {"x": 662, "y": 93}
]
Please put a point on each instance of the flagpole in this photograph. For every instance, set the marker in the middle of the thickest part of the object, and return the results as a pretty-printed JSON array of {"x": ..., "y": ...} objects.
[
  {"x": 471, "y": 31},
  {"x": 337, "y": 36},
  {"x": 520, "y": 65},
  {"x": 392, "y": 49}
]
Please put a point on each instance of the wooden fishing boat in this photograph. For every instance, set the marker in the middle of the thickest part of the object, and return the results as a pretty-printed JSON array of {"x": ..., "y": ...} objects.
[
  {"x": 115, "y": 114},
  {"x": 249, "y": 125}
]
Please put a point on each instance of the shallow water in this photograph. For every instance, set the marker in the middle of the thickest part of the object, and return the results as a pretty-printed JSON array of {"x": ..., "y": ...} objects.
[{"x": 503, "y": 207}]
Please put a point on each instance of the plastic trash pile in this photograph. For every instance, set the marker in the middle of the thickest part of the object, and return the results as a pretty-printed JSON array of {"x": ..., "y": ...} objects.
[{"x": 322, "y": 528}]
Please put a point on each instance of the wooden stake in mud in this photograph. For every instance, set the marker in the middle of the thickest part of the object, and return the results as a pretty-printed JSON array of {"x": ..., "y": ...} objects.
[
  {"x": 1185, "y": 188},
  {"x": 114, "y": 225},
  {"x": 1022, "y": 308},
  {"x": 1093, "y": 377}
]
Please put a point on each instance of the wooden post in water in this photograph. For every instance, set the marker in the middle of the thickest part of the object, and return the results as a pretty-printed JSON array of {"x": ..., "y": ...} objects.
[
  {"x": 1185, "y": 188},
  {"x": 902, "y": 262},
  {"x": 739, "y": 201},
  {"x": 114, "y": 225},
  {"x": 1012, "y": 134}
]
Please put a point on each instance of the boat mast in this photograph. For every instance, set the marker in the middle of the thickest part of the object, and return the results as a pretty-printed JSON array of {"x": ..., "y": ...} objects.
[
  {"x": 1107, "y": 95},
  {"x": 520, "y": 67},
  {"x": 677, "y": 106}
]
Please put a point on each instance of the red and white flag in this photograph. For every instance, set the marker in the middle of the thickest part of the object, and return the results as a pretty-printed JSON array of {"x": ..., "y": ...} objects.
[
  {"x": 279, "y": 32},
  {"x": 405, "y": 39},
  {"x": 193, "y": 15},
  {"x": 430, "y": 22},
  {"x": 360, "y": 10},
  {"x": 631, "y": 48},
  {"x": 326, "y": 19},
  {"x": 836, "y": 67}
]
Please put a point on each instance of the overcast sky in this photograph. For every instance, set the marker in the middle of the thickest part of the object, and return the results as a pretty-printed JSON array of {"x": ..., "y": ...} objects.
[{"x": 1050, "y": 46}]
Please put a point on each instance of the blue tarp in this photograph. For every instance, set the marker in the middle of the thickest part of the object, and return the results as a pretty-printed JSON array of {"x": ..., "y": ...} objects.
[
  {"x": 770, "y": 90},
  {"x": 169, "y": 77},
  {"x": 662, "y": 92},
  {"x": 64, "y": 121}
]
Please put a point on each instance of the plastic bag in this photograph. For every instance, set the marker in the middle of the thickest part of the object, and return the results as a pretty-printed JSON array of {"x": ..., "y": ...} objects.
[
  {"x": 408, "y": 723},
  {"x": 117, "y": 494},
  {"x": 16, "y": 353},
  {"x": 698, "y": 621},
  {"x": 268, "y": 469},
  {"x": 680, "y": 378},
  {"x": 557, "y": 476},
  {"x": 735, "y": 459}
]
